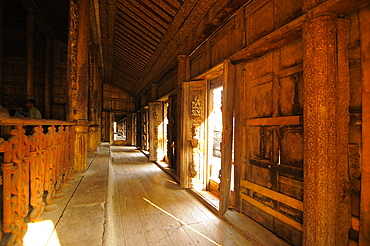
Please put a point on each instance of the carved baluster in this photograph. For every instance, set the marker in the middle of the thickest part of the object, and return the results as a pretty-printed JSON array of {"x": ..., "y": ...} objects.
[
  {"x": 68, "y": 155},
  {"x": 37, "y": 170},
  {"x": 59, "y": 164},
  {"x": 49, "y": 170},
  {"x": 64, "y": 151},
  {"x": 70, "y": 152},
  {"x": 18, "y": 209}
]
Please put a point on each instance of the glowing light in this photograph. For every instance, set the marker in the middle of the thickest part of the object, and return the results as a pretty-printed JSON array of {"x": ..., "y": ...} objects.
[
  {"x": 41, "y": 233},
  {"x": 182, "y": 222}
]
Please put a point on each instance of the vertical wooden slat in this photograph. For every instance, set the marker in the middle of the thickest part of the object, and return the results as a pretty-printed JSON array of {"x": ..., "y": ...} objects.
[
  {"x": 227, "y": 135},
  {"x": 365, "y": 165}
]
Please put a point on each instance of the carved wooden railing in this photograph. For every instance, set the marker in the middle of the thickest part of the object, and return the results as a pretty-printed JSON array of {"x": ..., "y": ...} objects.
[{"x": 34, "y": 169}]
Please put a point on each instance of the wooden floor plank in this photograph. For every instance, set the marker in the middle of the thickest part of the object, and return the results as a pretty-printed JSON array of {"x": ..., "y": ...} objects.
[
  {"x": 154, "y": 232},
  {"x": 172, "y": 216}
]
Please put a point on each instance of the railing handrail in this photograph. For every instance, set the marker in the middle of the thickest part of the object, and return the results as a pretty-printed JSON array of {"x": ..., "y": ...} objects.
[{"x": 12, "y": 120}]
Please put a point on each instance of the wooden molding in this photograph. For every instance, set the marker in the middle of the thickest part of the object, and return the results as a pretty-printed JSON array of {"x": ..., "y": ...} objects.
[{"x": 275, "y": 121}]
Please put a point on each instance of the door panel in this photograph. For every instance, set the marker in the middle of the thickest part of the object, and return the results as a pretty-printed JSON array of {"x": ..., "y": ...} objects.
[{"x": 193, "y": 133}]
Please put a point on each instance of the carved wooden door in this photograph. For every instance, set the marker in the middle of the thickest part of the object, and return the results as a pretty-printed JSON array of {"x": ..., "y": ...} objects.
[
  {"x": 193, "y": 133},
  {"x": 272, "y": 183}
]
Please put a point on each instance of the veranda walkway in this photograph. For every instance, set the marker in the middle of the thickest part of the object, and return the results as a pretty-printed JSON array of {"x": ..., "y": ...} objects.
[{"x": 127, "y": 200}]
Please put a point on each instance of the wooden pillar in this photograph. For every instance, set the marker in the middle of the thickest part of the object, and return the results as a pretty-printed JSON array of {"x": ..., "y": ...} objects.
[
  {"x": 365, "y": 165},
  {"x": 227, "y": 135},
  {"x": 326, "y": 126},
  {"x": 30, "y": 52},
  {"x": 77, "y": 77},
  {"x": 47, "y": 79}
]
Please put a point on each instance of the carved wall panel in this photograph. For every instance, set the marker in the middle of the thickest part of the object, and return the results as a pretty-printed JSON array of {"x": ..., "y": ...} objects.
[
  {"x": 156, "y": 127},
  {"x": 193, "y": 133}
]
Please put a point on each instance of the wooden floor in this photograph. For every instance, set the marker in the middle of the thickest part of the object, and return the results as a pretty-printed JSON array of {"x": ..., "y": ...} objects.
[{"x": 148, "y": 208}]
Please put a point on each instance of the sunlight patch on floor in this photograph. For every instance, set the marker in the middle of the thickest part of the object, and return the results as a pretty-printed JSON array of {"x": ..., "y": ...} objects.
[
  {"x": 182, "y": 222},
  {"x": 41, "y": 233}
]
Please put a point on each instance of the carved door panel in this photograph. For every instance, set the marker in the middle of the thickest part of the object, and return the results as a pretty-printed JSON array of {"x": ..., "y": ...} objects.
[
  {"x": 194, "y": 134},
  {"x": 156, "y": 131},
  {"x": 272, "y": 188}
]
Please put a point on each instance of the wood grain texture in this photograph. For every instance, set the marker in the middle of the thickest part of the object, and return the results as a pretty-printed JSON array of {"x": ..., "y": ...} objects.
[{"x": 136, "y": 178}]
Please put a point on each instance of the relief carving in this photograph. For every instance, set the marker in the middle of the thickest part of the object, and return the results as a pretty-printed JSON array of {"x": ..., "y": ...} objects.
[
  {"x": 73, "y": 37},
  {"x": 196, "y": 107}
]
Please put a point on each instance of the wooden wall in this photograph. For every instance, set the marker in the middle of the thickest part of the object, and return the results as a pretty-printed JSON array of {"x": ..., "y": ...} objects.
[
  {"x": 269, "y": 141},
  {"x": 114, "y": 101}
]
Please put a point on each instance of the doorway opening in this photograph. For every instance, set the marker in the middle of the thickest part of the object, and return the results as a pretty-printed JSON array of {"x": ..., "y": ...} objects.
[
  {"x": 215, "y": 140},
  {"x": 119, "y": 127}
]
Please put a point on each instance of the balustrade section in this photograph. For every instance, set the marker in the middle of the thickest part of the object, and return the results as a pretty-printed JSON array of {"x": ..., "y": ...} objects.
[{"x": 36, "y": 159}]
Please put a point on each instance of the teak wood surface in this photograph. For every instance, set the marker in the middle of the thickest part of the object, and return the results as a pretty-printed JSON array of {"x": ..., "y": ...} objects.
[{"x": 183, "y": 217}]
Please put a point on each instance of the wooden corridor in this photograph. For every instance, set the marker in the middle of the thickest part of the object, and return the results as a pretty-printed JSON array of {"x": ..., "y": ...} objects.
[{"x": 148, "y": 208}]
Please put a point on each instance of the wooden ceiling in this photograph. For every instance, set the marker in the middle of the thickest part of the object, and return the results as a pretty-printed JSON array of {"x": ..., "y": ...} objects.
[
  {"x": 140, "y": 28},
  {"x": 139, "y": 40}
]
